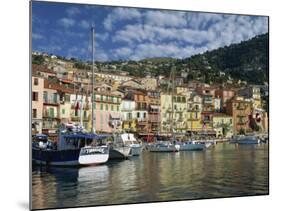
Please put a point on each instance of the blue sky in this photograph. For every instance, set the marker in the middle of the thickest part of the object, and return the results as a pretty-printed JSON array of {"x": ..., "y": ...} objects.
[{"x": 134, "y": 34}]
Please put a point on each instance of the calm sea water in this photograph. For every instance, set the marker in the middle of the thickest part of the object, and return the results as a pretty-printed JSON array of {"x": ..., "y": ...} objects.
[{"x": 223, "y": 171}]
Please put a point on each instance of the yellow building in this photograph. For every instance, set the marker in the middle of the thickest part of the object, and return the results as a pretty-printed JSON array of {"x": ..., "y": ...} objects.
[
  {"x": 222, "y": 124},
  {"x": 194, "y": 109},
  {"x": 179, "y": 113}
]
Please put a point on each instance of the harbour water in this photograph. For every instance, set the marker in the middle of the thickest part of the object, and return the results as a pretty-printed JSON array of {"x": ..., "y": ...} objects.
[{"x": 223, "y": 171}]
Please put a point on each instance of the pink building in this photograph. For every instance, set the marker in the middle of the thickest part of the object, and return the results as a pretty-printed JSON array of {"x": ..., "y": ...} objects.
[{"x": 107, "y": 112}]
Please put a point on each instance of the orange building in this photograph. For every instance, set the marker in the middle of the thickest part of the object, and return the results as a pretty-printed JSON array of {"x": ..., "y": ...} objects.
[{"x": 241, "y": 110}]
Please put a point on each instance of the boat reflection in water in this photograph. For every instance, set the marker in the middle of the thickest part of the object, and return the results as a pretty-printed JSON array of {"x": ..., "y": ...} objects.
[{"x": 222, "y": 171}]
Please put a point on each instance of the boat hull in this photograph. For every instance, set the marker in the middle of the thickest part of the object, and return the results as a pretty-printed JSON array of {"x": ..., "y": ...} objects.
[
  {"x": 167, "y": 148},
  {"x": 248, "y": 140},
  {"x": 118, "y": 153},
  {"x": 56, "y": 158},
  {"x": 192, "y": 147},
  {"x": 136, "y": 150},
  {"x": 93, "y": 155},
  {"x": 76, "y": 157}
]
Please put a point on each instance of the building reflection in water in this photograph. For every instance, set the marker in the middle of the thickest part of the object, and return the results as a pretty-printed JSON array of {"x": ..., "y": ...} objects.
[{"x": 226, "y": 170}]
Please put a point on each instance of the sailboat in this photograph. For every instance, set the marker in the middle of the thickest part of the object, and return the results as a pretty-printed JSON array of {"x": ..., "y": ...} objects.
[
  {"x": 75, "y": 147},
  {"x": 167, "y": 146}
]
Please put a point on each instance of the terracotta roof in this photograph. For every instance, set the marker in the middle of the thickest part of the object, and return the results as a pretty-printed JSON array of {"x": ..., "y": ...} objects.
[{"x": 41, "y": 68}]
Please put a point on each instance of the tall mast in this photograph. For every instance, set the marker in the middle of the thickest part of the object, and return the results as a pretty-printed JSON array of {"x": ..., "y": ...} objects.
[
  {"x": 93, "y": 79},
  {"x": 172, "y": 128}
]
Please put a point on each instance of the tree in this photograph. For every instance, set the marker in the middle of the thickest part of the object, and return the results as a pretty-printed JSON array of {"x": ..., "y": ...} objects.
[{"x": 38, "y": 59}]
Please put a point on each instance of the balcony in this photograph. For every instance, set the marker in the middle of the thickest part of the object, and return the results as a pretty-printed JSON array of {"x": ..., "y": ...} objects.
[
  {"x": 77, "y": 118},
  {"x": 51, "y": 102},
  {"x": 50, "y": 116}
]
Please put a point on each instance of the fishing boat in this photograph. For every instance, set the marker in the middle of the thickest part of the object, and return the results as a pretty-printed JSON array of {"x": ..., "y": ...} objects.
[{"x": 74, "y": 148}]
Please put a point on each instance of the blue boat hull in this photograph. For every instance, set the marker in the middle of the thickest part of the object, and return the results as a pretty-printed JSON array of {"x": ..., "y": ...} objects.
[{"x": 56, "y": 157}]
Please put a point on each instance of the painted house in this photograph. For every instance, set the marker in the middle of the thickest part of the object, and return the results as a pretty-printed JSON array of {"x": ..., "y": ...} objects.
[
  {"x": 51, "y": 119},
  {"x": 129, "y": 117},
  {"x": 240, "y": 110},
  {"x": 154, "y": 109},
  {"x": 225, "y": 95},
  {"x": 194, "y": 109},
  {"x": 108, "y": 113},
  {"x": 37, "y": 104},
  {"x": 251, "y": 92},
  {"x": 222, "y": 124},
  {"x": 176, "y": 115}
]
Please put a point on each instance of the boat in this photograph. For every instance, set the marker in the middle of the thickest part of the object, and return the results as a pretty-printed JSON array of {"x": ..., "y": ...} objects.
[
  {"x": 163, "y": 147},
  {"x": 130, "y": 141},
  {"x": 248, "y": 139},
  {"x": 193, "y": 145},
  {"x": 72, "y": 149},
  {"x": 118, "y": 150}
]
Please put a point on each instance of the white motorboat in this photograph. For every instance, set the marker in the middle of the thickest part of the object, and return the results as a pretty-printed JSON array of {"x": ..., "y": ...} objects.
[{"x": 130, "y": 141}]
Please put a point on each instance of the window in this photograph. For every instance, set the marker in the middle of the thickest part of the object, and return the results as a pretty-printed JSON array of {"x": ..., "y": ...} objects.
[
  {"x": 51, "y": 112},
  {"x": 34, "y": 96},
  {"x": 63, "y": 111},
  {"x": 117, "y": 108},
  {"x": 144, "y": 115},
  {"x": 35, "y": 81},
  {"x": 106, "y": 107},
  {"x": 55, "y": 98},
  {"x": 34, "y": 113},
  {"x": 67, "y": 98},
  {"x": 94, "y": 105},
  {"x": 101, "y": 106},
  {"x": 138, "y": 114},
  {"x": 45, "y": 95},
  {"x": 101, "y": 97},
  {"x": 85, "y": 115},
  {"x": 112, "y": 108}
]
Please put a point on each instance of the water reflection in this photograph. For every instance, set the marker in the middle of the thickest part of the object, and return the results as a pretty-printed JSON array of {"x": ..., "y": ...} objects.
[{"x": 226, "y": 170}]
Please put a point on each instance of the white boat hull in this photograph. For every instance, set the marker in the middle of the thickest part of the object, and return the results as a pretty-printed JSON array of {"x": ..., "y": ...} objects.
[
  {"x": 136, "y": 150},
  {"x": 93, "y": 155}
]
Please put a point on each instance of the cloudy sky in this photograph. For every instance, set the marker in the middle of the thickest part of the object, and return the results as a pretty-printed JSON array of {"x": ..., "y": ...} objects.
[{"x": 134, "y": 34}]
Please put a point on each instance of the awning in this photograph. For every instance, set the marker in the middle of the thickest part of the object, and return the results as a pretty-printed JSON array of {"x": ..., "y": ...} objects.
[
  {"x": 115, "y": 116},
  {"x": 154, "y": 106}
]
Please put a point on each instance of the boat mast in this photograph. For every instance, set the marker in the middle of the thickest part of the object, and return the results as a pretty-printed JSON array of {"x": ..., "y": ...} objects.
[
  {"x": 172, "y": 127},
  {"x": 93, "y": 79}
]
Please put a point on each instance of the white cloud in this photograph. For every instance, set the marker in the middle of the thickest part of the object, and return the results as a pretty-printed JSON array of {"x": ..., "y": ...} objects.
[
  {"x": 72, "y": 11},
  {"x": 164, "y": 18},
  {"x": 37, "y": 36},
  {"x": 66, "y": 22},
  {"x": 119, "y": 14},
  {"x": 102, "y": 36},
  {"x": 85, "y": 24},
  {"x": 122, "y": 52}
]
